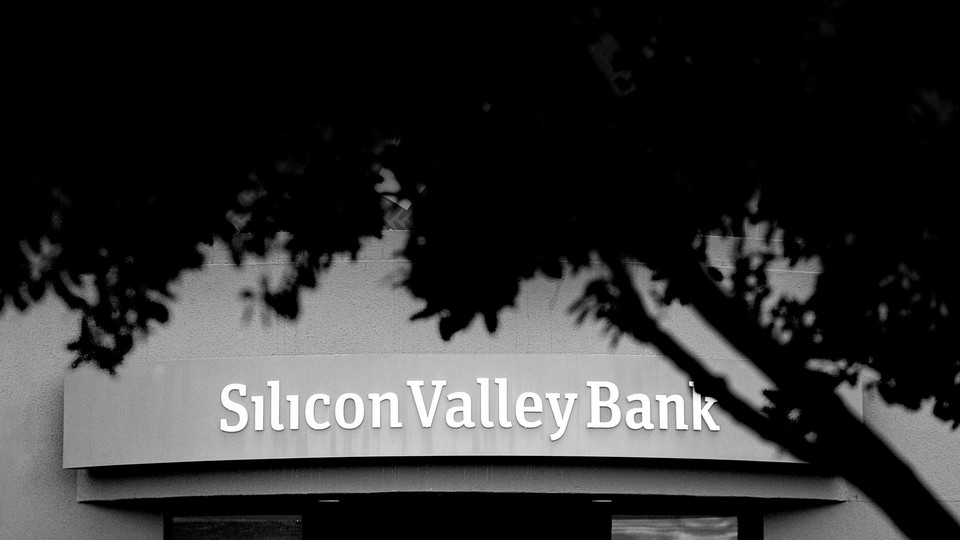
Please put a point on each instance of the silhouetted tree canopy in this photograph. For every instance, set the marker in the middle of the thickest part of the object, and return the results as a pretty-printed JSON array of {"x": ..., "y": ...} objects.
[{"x": 528, "y": 141}]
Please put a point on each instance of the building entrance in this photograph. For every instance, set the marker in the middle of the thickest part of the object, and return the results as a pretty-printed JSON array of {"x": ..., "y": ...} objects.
[{"x": 470, "y": 516}]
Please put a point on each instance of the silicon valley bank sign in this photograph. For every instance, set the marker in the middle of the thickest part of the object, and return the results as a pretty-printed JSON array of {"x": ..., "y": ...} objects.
[
  {"x": 349, "y": 410},
  {"x": 397, "y": 405}
]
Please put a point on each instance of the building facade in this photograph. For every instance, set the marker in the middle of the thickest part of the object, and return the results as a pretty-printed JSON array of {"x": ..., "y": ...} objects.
[{"x": 354, "y": 422}]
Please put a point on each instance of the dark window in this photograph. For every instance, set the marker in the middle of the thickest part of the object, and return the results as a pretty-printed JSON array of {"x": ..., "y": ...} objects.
[{"x": 269, "y": 527}]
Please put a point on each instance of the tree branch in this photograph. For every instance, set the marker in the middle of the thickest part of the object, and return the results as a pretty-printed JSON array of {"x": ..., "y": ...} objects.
[
  {"x": 644, "y": 328},
  {"x": 845, "y": 444}
]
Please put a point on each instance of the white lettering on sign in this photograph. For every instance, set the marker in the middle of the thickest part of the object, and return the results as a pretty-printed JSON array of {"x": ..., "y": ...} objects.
[
  {"x": 426, "y": 419},
  {"x": 310, "y": 411},
  {"x": 349, "y": 409},
  {"x": 233, "y": 407},
  {"x": 561, "y": 418},
  {"x": 700, "y": 413},
  {"x": 391, "y": 398},
  {"x": 597, "y": 404}
]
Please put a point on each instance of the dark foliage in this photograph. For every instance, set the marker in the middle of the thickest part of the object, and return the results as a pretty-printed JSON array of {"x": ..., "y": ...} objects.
[{"x": 529, "y": 142}]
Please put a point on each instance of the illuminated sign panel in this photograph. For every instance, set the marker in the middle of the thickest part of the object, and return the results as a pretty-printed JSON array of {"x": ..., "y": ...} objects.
[{"x": 396, "y": 405}]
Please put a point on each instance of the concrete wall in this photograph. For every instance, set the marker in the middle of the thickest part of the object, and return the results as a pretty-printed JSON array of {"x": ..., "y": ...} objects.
[
  {"x": 357, "y": 310},
  {"x": 37, "y": 496}
]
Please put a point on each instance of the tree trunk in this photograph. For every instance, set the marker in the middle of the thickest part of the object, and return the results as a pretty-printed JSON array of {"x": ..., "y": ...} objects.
[
  {"x": 844, "y": 444},
  {"x": 854, "y": 451}
]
